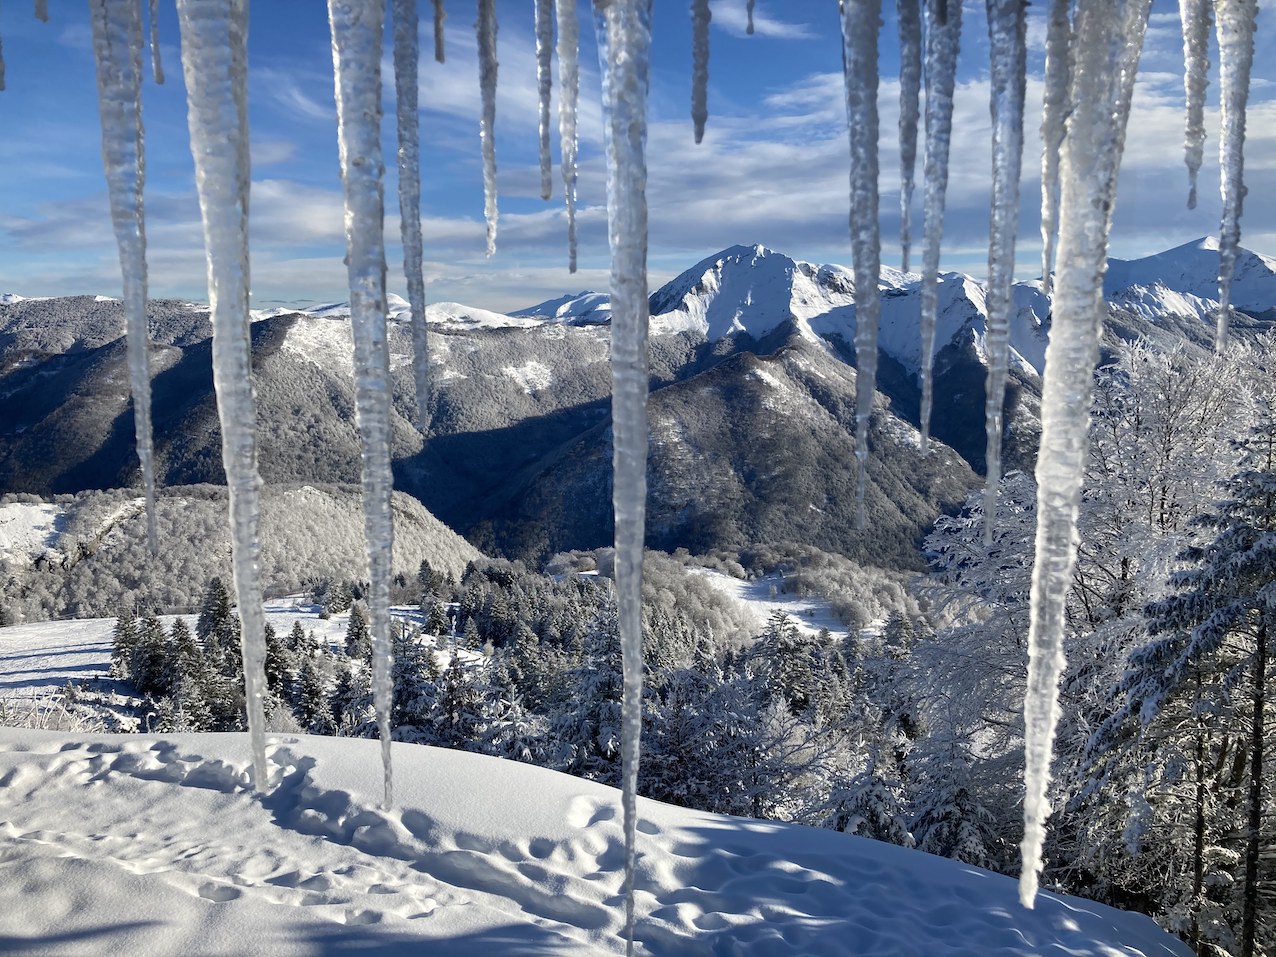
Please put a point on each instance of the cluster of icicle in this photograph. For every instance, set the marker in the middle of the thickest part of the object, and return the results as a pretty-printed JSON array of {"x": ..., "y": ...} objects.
[{"x": 1092, "y": 53}]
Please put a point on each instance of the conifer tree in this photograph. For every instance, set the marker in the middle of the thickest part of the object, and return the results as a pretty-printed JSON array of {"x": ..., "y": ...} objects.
[
  {"x": 1210, "y": 644},
  {"x": 358, "y": 635}
]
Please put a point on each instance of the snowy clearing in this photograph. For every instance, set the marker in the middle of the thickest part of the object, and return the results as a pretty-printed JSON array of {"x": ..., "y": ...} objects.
[{"x": 764, "y": 597}]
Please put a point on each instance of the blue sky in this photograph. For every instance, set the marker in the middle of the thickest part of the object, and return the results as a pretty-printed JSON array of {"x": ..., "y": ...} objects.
[{"x": 772, "y": 167}]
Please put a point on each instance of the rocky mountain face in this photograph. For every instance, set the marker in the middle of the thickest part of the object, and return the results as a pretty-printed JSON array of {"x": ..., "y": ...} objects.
[{"x": 753, "y": 379}]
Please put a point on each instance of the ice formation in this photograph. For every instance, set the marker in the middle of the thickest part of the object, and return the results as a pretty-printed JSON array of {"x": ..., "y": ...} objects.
[
  {"x": 406, "y": 56},
  {"x": 1054, "y": 106},
  {"x": 117, "y": 48},
  {"x": 749, "y": 14},
  {"x": 544, "y": 81},
  {"x": 1008, "y": 51},
  {"x": 157, "y": 68},
  {"x": 861, "y": 20},
  {"x": 485, "y": 27},
  {"x": 943, "y": 43},
  {"x": 439, "y": 16},
  {"x": 568, "y": 97},
  {"x": 624, "y": 40},
  {"x": 909, "y": 14},
  {"x": 700, "y": 17},
  {"x": 1235, "y": 22},
  {"x": 215, "y": 67},
  {"x": 1102, "y": 87},
  {"x": 42, "y": 10},
  {"x": 356, "y": 59},
  {"x": 1195, "y": 16}
]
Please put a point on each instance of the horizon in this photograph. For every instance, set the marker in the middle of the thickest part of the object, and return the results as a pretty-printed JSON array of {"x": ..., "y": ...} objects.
[{"x": 771, "y": 170}]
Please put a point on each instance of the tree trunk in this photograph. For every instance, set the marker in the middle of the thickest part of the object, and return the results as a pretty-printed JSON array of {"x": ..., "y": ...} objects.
[{"x": 1249, "y": 910}]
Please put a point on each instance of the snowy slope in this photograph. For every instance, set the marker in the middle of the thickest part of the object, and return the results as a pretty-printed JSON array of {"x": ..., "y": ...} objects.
[{"x": 166, "y": 851}]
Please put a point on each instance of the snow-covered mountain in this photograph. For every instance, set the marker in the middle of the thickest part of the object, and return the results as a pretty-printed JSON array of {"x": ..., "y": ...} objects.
[
  {"x": 1184, "y": 281},
  {"x": 520, "y": 402}
]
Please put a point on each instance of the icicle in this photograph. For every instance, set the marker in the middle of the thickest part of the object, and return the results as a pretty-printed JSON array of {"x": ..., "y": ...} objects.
[
  {"x": 1235, "y": 22},
  {"x": 439, "y": 16},
  {"x": 749, "y": 14},
  {"x": 406, "y": 54},
  {"x": 1, "y": 64},
  {"x": 861, "y": 20},
  {"x": 568, "y": 97},
  {"x": 1054, "y": 108},
  {"x": 42, "y": 10},
  {"x": 214, "y": 63},
  {"x": 624, "y": 42},
  {"x": 544, "y": 82},
  {"x": 157, "y": 68},
  {"x": 485, "y": 27},
  {"x": 356, "y": 59},
  {"x": 943, "y": 42},
  {"x": 1109, "y": 37},
  {"x": 700, "y": 17},
  {"x": 117, "y": 47},
  {"x": 1007, "y": 48},
  {"x": 910, "y": 78},
  {"x": 1195, "y": 15}
]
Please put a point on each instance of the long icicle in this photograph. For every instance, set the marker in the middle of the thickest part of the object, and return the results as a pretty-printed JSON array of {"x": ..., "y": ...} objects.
[
  {"x": 1235, "y": 23},
  {"x": 157, "y": 68},
  {"x": 1109, "y": 38},
  {"x": 544, "y": 15},
  {"x": 1, "y": 63},
  {"x": 700, "y": 17},
  {"x": 439, "y": 16},
  {"x": 749, "y": 14},
  {"x": 1054, "y": 107},
  {"x": 861, "y": 20},
  {"x": 943, "y": 42},
  {"x": 356, "y": 59},
  {"x": 1195, "y": 16},
  {"x": 485, "y": 28},
  {"x": 624, "y": 43},
  {"x": 117, "y": 48},
  {"x": 406, "y": 61},
  {"x": 568, "y": 100},
  {"x": 214, "y": 64},
  {"x": 1007, "y": 31},
  {"x": 42, "y": 10},
  {"x": 909, "y": 14}
]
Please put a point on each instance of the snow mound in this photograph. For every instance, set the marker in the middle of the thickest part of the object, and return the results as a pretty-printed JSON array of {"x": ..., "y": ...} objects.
[
  {"x": 8, "y": 298},
  {"x": 166, "y": 850}
]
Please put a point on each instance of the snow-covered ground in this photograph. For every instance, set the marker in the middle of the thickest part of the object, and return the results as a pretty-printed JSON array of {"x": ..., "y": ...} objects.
[
  {"x": 763, "y": 597},
  {"x": 38, "y": 659},
  {"x": 156, "y": 845}
]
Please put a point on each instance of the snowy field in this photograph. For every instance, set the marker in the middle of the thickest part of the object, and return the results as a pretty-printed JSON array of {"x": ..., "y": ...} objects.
[
  {"x": 149, "y": 845},
  {"x": 763, "y": 597}
]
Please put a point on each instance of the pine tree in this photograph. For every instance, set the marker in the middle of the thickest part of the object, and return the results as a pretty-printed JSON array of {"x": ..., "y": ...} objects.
[
  {"x": 189, "y": 680},
  {"x": 279, "y": 663},
  {"x": 214, "y": 610},
  {"x": 358, "y": 636},
  {"x": 313, "y": 709},
  {"x": 123, "y": 643},
  {"x": 149, "y": 665}
]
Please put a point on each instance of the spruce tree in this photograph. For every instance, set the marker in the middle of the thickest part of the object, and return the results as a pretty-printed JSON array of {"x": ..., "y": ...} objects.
[
  {"x": 358, "y": 636},
  {"x": 1208, "y": 654}
]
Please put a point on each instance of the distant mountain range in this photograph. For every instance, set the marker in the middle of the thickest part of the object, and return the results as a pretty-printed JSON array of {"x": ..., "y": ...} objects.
[{"x": 753, "y": 379}]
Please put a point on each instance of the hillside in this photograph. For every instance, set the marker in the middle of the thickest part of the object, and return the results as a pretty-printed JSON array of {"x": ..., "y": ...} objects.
[
  {"x": 462, "y": 864},
  {"x": 65, "y": 558}
]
